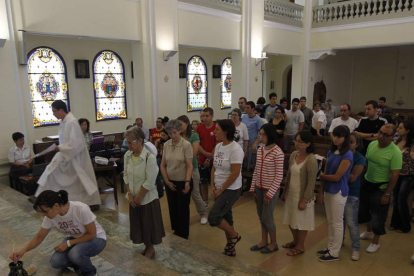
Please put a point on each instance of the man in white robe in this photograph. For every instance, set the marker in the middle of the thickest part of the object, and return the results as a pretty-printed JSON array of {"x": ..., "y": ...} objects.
[{"x": 71, "y": 168}]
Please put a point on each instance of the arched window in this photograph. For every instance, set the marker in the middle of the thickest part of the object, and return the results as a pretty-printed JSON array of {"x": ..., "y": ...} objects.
[
  {"x": 48, "y": 82},
  {"x": 225, "y": 83},
  {"x": 196, "y": 84},
  {"x": 109, "y": 86}
]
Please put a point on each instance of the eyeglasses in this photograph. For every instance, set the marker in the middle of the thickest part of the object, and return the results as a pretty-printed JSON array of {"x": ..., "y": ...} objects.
[
  {"x": 131, "y": 142},
  {"x": 386, "y": 135}
]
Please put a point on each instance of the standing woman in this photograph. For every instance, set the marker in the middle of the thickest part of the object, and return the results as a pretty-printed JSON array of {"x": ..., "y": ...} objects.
[
  {"x": 86, "y": 237},
  {"x": 176, "y": 169},
  {"x": 352, "y": 202},
  {"x": 140, "y": 173},
  {"x": 279, "y": 122},
  {"x": 241, "y": 136},
  {"x": 194, "y": 140},
  {"x": 299, "y": 210},
  {"x": 334, "y": 191},
  {"x": 267, "y": 177},
  {"x": 401, "y": 220},
  {"x": 87, "y": 135},
  {"x": 226, "y": 183}
]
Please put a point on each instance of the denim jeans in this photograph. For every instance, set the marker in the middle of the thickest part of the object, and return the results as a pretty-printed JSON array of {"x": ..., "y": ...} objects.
[
  {"x": 351, "y": 219},
  {"x": 79, "y": 256},
  {"x": 401, "y": 214},
  {"x": 370, "y": 207}
]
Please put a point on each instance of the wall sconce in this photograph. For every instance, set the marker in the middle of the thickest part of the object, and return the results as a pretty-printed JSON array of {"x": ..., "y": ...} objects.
[
  {"x": 168, "y": 54},
  {"x": 2, "y": 42},
  {"x": 261, "y": 59}
]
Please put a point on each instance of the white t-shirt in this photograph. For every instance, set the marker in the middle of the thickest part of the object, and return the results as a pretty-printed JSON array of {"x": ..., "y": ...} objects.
[
  {"x": 241, "y": 134},
  {"x": 224, "y": 156},
  {"x": 74, "y": 221},
  {"x": 351, "y": 123},
  {"x": 293, "y": 121},
  {"x": 319, "y": 117}
]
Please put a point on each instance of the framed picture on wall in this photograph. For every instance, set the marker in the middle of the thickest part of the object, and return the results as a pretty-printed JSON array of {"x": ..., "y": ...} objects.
[
  {"x": 82, "y": 69},
  {"x": 182, "y": 70},
  {"x": 216, "y": 71}
]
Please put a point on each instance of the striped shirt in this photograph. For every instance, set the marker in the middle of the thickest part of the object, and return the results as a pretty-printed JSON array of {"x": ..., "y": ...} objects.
[{"x": 268, "y": 173}]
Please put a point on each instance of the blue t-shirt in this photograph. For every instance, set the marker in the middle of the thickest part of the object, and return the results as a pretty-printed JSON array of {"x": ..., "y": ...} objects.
[
  {"x": 253, "y": 126},
  {"x": 354, "y": 187},
  {"x": 334, "y": 160}
]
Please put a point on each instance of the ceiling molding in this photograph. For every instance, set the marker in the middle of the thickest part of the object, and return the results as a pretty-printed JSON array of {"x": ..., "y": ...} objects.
[
  {"x": 277, "y": 25},
  {"x": 369, "y": 24},
  {"x": 208, "y": 11}
]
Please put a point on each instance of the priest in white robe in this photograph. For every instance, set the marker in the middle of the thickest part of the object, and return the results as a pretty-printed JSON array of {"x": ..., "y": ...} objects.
[{"x": 71, "y": 168}]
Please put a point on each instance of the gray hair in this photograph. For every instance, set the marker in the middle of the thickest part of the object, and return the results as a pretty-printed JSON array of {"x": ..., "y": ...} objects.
[
  {"x": 173, "y": 125},
  {"x": 237, "y": 110},
  {"x": 135, "y": 133}
]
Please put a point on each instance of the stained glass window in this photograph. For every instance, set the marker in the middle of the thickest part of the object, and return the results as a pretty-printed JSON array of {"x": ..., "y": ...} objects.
[
  {"x": 109, "y": 86},
  {"x": 225, "y": 84},
  {"x": 196, "y": 84},
  {"x": 48, "y": 82}
]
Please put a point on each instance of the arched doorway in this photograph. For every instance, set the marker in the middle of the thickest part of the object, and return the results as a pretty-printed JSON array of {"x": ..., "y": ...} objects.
[{"x": 287, "y": 84}]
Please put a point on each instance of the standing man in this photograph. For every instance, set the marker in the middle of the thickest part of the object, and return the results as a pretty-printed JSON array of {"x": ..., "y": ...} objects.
[
  {"x": 382, "y": 101},
  {"x": 319, "y": 119},
  {"x": 139, "y": 122},
  {"x": 71, "y": 168},
  {"x": 284, "y": 103},
  {"x": 345, "y": 119},
  {"x": 307, "y": 112},
  {"x": 384, "y": 165},
  {"x": 331, "y": 113},
  {"x": 156, "y": 132},
  {"x": 295, "y": 120},
  {"x": 253, "y": 124},
  {"x": 206, "y": 149},
  {"x": 369, "y": 126},
  {"x": 242, "y": 104},
  {"x": 269, "y": 109}
]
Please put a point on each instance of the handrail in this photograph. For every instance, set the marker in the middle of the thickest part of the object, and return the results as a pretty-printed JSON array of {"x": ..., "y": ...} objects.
[
  {"x": 283, "y": 10},
  {"x": 357, "y": 9},
  {"x": 236, "y": 3}
]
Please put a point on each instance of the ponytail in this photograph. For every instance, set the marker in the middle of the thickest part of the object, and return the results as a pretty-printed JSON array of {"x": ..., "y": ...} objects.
[{"x": 49, "y": 198}]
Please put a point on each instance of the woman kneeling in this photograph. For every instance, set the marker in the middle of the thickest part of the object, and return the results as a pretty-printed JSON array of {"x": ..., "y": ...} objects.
[{"x": 86, "y": 237}]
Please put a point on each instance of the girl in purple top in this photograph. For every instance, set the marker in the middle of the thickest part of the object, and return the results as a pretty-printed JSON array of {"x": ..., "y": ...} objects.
[{"x": 334, "y": 191}]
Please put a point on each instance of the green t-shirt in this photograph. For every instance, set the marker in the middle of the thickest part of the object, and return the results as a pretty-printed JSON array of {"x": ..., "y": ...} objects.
[
  {"x": 194, "y": 138},
  {"x": 381, "y": 161}
]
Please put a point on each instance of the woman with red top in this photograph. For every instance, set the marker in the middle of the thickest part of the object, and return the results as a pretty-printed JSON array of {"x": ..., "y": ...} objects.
[{"x": 265, "y": 186}]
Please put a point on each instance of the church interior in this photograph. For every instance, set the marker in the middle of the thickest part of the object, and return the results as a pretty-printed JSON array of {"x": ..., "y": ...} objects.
[{"x": 112, "y": 61}]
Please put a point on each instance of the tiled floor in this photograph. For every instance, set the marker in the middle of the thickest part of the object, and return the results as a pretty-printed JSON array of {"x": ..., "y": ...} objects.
[
  {"x": 393, "y": 258},
  {"x": 201, "y": 255}
]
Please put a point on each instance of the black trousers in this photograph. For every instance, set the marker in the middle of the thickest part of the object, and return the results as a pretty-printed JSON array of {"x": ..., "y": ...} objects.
[{"x": 179, "y": 208}]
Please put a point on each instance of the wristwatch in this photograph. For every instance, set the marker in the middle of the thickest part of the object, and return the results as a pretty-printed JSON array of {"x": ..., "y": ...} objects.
[
  {"x": 68, "y": 243},
  {"x": 372, "y": 135},
  {"x": 387, "y": 195}
]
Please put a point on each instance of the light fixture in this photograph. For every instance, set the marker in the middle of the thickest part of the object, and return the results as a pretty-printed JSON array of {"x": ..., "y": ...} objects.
[
  {"x": 261, "y": 59},
  {"x": 2, "y": 42},
  {"x": 168, "y": 54}
]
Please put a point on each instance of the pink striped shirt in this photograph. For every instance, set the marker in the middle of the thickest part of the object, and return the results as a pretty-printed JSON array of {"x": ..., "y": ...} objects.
[{"x": 268, "y": 173}]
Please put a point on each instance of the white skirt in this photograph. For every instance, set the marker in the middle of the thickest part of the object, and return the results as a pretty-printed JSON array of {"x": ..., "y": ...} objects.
[{"x": 295, "y": 218}]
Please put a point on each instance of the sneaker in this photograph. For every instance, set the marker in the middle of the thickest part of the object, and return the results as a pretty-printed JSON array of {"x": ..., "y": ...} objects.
[
  {"x": 328, "y": 258},
  {"x": 355, "y": 255},
  {"x": 372, "y": 248},
  {"x": 203, "y": 221},
  {"x": 365, "y": 235},
  {"x": 206, "y": 204},
  {"x": 322, "y": 252}
]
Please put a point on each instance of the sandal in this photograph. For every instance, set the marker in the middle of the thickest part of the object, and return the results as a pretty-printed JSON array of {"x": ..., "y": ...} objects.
[
  {"x": 294, "y": 252},
  {"x": 289, "y": 245},
  {"x": 230, "y": 249}
]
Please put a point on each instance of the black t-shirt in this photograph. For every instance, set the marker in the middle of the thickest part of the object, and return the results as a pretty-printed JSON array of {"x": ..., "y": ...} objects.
[
  {"x": 369, "y": 126},
  {"x": 280, "y": 126}
]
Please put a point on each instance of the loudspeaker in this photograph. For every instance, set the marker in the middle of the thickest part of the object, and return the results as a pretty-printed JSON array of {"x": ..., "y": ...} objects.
[{"x": 21, "y": 47}]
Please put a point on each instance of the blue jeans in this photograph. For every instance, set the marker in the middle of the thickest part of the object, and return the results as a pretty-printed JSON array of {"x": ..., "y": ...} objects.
[
  {"x": 351, "y": 219},
  {"x": 370, "y": 207},
  {"x": 401, "y": 219},
  {"x": 79, "y": 256}
]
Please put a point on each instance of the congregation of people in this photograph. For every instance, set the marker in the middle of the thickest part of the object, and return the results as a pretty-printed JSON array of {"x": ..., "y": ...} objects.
[{"x": 369, "y": 165}]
